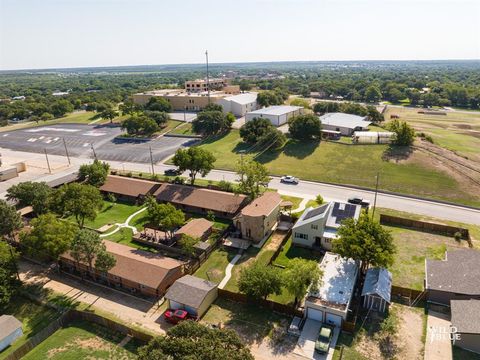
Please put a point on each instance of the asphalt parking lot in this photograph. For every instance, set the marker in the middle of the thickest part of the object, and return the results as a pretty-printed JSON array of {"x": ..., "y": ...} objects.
[{"x": 80, "y": 139}]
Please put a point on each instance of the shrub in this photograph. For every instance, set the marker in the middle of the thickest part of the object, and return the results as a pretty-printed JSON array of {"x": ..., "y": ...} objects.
[
  {"x": 457, "y": 236},
  {"x": 225, "y": 186}
]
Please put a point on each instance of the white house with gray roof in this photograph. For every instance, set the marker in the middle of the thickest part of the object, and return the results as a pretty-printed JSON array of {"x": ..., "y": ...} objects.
[
  {"x": 10, "y": 330},
  {"x": 317, "y": 227},
  {"x": 347, "y": 124},
  {"x": 192, "y": 294},
  {"x": 330, "y": 304},
  {"x": 277, "y": 115}
]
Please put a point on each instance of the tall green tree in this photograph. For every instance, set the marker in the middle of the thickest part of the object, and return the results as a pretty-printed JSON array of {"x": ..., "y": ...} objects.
[
  {"x": 373, "y": 94},
  {"x": 261, "y": 132},
  {"x": 9, "y": 282},
  {"x": 78, "y": 200},
  {"x": 194, "y": 159},
  {"x": 34, "y": 194},
  {"x": 109, "y": 114},
  {"x": 258, "y": 281},
  {"x": 88, "y": 248},
  {"x": 404, "y": 133},
  {"x": 301, "y": 274},
  {"x": 365, "y": 240},
  {"x": 187, "y": 243},
  {"x": 253, "y": 178},
  {"x": 94, "y": 174},
  {"x": 10, "y": 220},
  {"x": 191, "y": 340},
  {"x": 212, "y": 122},
  {"x": 305, "y": 127},
  {"x": 48, "y": 237},
  {"x": 157, "y": 103},
  {"x": 169, "y": 218}
]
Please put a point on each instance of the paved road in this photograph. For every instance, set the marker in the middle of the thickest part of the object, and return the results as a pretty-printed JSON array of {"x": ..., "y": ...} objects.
[{"x": 305, "y": 189}]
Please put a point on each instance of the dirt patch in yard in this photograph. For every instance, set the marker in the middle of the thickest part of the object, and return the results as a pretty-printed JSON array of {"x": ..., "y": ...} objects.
[
  {"x": 275, "y": 242},
  {"x": 410, "y": 334}
]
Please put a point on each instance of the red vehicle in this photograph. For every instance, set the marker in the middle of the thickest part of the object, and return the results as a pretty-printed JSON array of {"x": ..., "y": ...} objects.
[{"x": 175, "y": 316}]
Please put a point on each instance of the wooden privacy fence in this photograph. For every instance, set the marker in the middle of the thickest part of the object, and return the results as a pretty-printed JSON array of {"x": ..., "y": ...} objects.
[
  {"x": 241, "y": 298},
  {"x": 279, "y": 249},
  {"x": 65, "y": 319},
  {"x": 425, "y": 226}
]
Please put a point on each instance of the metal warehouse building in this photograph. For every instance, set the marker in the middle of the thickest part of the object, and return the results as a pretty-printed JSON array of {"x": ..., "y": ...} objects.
[
  {"x": 345, "y": 123},
  {"x": 278, "y": 115}
]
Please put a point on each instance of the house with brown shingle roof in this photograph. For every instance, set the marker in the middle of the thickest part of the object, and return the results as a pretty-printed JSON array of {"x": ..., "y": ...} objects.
[
  {"x": 200, "y": 200},
  {"x": 257, "y": 219},
  {"x": 197, "y": 228},
  {"x": 136, "y": 270},
  {"x": 129, "y": 188}
]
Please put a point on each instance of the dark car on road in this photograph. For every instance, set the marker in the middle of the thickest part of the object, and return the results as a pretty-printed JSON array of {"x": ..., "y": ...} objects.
[
  {"x": 356, "y": 200},
  {"x": 172, "y": 172}
]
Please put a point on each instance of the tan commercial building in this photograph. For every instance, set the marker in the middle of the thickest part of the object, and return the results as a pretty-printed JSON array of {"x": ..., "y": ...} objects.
[
  {"x": 181, "y": 100},
  {"x": 200, "y": 85},
  {"x": 257, "y": 219}
]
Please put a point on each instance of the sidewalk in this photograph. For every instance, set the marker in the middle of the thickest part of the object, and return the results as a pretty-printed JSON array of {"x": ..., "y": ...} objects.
[{"x": 437, "y": 347}]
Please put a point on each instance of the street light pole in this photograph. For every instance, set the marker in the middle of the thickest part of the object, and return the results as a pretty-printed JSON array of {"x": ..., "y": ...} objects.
[
  {"x": 48, "y": 162},
  {"x": 151, "y": 161},
  {"x": 376, "y": 192},
  {"x": 66, "y": 151},
  {"x": 94, "y": 153}
]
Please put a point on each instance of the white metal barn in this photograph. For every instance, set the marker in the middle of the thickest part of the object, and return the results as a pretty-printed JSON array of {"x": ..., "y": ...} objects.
[
  {"x": 377, "y": 289},
  {"x": 240, "y": 104},
  {"x": 372, "y": 137},
  {"x": 278, "y": 115},
  {"x": 345, "y": 123},
  {"x": 331, "y": 302}
]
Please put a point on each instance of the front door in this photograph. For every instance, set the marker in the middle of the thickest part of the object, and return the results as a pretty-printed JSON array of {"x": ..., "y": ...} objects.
[{"x": 318, "y": 241}]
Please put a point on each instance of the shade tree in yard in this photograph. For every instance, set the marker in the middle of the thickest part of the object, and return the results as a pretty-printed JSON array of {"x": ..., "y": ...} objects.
[
  {"x": 194, "y": 159},
  {"x": 258, "y": 281},
  {"x": 9, "y": 282},
  {"x": 10, "y": 220},
  {"x": 29, "y": 193},
  {"x": 94, "y": 174},
  {"x": 365, "y": 240},
  {"x": 253, "y": 178},
  {"x": 300, "y": 275},
  {"x": 261, "y": 132},
  {"x": 305, "y": 127}
]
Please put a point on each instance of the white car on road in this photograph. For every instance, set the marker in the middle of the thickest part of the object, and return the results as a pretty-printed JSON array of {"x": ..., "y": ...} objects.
[{"x": 287, "y": 179}]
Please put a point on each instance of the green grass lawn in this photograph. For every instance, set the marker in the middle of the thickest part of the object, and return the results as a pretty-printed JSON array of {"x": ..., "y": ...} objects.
[
  {"x": 83, "y": 340},
  {"x": 214, "y": 268},
  {"x": 171, "y": 124},
  {"x": 34, "y": 318},
  {"x": 290, "y": 252},
  {"x": 353, "y": 165},
  {"x": 295, "y": 200},
  {"x": 112, "y": 213},
  {"x": 185, "y": 129},
  {"x": 251, "y": 321}
]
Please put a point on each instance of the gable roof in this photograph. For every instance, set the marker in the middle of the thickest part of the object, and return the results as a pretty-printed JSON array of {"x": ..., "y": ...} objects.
[
  {"x": 190, "y": 290},
  {"x": 276, "y": 110},
  {"x": 242, "y": 99},
  {"x": 142, "y": 267},
  {"x": 312, "y": 214},
  {"x": 333, "y": 211},
  {"x": 378, "y": 281},
  {"x": 8, "y": 324},
  {"x": 195, "y": 228},
  {"x": 208, "y": 199},
  {"x": 458, "y": 273},
  {"x": 263, "y": 205},
  {"x": 344, "y": 120},
  {"x": 129, "y": 186},
  {"x": 466, "y": 315}
]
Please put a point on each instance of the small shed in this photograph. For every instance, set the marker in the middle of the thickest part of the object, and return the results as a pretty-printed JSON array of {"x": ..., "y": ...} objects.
[
  {"x": 377, "y": 289},
  {"x": 10, "y": 330},
  {"x": 193, "y": 294}
]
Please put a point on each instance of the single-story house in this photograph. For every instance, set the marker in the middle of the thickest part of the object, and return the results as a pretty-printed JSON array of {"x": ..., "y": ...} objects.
[
  {"x": 127, "y": 188},
  {"x": 347, "y": 124},
  {"x": 377, "y": 289},
  {"x": 317, "y": 227},
  {"x": 136, "y": 270},
  {"x": 277, "y": 115},
  {"x": 239, "y": 104},
  {"x": 192, "y": 294},
  {"x": 197, "y": 228},
  {"x": 10, "y": 330},
  {"x": 330, "y": 304},
  {"x": 465, "y": 321},
  {"x": 457, "y": 277},
  {"x": 257, "y": 219},
  {"x": 200, "y": 200}
]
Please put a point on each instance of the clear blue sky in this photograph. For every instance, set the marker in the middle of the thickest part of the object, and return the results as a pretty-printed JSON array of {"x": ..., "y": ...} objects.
[{"x": 78, "y": 33}]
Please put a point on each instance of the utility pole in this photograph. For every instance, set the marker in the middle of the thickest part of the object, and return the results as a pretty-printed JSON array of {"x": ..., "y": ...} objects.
[
  {"x": 94, "y": 153},
  {"x": 66, "y": 151},
  {"x": 376, "y": 192},
  {"x": 48, "y": 162},
  {"x": 13, "y": 261},
  {"x": 151, "y": 161},
  {"x": 208, "y": 77}
]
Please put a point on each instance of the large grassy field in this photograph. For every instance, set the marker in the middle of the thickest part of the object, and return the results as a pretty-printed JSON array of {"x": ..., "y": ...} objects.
[
  {"x": 83, "y": 340},
  {"x": 34, "y": 318},
  {"x": 353, "y": 165},
  {"x": 458, "y": 131}
]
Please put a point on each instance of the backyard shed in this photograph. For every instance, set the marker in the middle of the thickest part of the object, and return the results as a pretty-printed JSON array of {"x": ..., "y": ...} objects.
[
  {"x": 377, "y": 289},
  {"x": 10, "y": 330},
  {"x": 192, "y": 294},
  {"x": 372, "y": 137}
]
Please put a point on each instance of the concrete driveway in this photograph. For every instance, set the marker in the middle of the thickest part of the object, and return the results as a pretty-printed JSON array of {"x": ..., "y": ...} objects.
[
  {"x": 437, "y": 343},
  {"x": 306, "y": 342}
]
